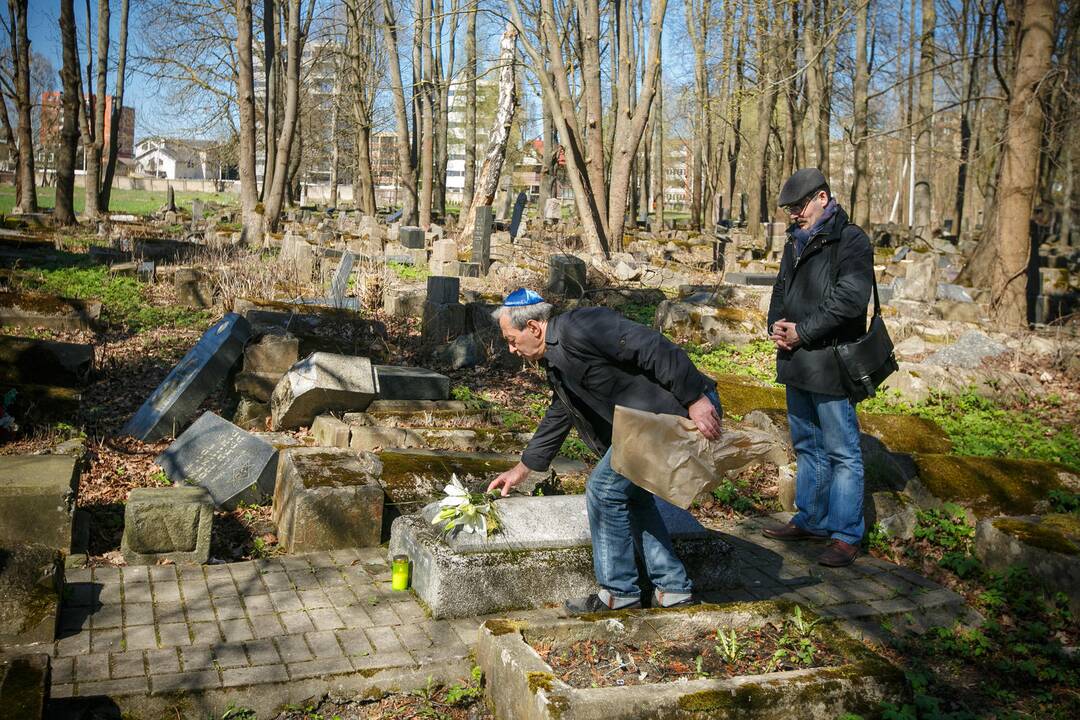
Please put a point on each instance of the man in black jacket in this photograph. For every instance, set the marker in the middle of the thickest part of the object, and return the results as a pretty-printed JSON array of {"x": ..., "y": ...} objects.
[
  {"x": 595, "y": 359},
  {"x": 819, "y": 300}
]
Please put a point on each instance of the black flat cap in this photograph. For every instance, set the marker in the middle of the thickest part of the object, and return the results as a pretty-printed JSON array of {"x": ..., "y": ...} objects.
[{"x": 800, "y": 184}]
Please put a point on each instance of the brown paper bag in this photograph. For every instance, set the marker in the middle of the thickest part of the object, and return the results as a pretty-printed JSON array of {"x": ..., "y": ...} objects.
[{"x": 668, "y": 456}]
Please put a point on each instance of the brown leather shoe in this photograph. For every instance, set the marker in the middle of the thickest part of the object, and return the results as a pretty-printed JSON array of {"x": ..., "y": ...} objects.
[
  {"x": 838, "y": 554},
  {"x": 791, "y": 531}
]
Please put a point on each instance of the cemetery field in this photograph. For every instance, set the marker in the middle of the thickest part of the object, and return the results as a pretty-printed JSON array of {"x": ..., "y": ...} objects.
[{"x": 133, "y": 202}]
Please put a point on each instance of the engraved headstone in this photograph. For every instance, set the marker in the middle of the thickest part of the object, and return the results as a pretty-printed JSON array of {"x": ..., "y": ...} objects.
[
  {"x": 515, "y": 219},
  {"x": 191, "y": 381},
  {"x": 322, "y": 382},
  {"x": 481, "y": 247},
  {"x": 232, "y": 465},
  {"x": 339, "y": 285},
  {"x": 411, "y": 383},
  {"x": 553, "y": 210},
  {"x": 196, "y": 211}
]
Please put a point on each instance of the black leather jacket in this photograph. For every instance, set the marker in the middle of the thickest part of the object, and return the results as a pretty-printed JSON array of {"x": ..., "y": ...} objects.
[
  {"x": 596, "y": 359},
  {"x": 824, "y": 313}
]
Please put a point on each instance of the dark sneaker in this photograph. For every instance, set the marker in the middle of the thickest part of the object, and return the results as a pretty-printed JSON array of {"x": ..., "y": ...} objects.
[
  {"x": 593, "y": 604},
  {"x": 838, "y": 554},
  {"x": 791, "y": 531},
  {"x": 658, "y": 601}
]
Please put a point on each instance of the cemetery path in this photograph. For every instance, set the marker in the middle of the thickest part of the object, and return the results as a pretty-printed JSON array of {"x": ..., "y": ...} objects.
[{"x": 287, "y": 629}]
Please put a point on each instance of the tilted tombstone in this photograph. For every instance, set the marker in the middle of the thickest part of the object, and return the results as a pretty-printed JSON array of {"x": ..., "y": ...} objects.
[
  {"x": 567, "y": 275},
  {"x": 196, "y": 211},
  {"x": 339, "y": 285},
  {"x": 481, "y": 248},
  {"x": 411, "y": 383},
  {"x": 515, "y": 219},
  {"x": 322, "y": 382},
  {"x": 231, "y": 464},
  {"x": 191, "y": 381}
]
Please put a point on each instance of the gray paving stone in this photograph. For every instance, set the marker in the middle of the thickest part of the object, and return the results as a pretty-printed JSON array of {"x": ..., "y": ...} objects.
[
  {"x": 341, "y": 596},
  {"x": 108, "y": 640},
  {"x": 162, "y": 574},
  {"x": 243, "y": 572},
  {"x": 135, "y": 574},
  {"x": 384, "y": 640},
  {"x": 896, "y": 583},
  {"x": 196, "y": 658},
  {"x": 236, "y": 630},
  {"x": 72, "y": 619},
  {"x": 329, "y": 576},
  {"x": 893, "y": 605},
  {"x": 222, "y": 588},
  {"x": 200, "y": 611},
  {"x": 74, "y": 644},
  {"x": 169, "y": 612},
  {"x": 137, "y": 593},
  {"x": 107, "y": 616},
  {"x": 294, "y": 562},
  {"x": 296, "y": 622},
  {"x": 266, "y": 626},
  {"x": 320, "y": 559},
  {"x": 204, "y": 633},
  {"x": 303, "y": 579},
  {"x": 63, "y": 669},
  {"x": 320, "y": 668},
  {"x": 127, "y": 664},
  {"x": 286, "y": 601},
  {"x": 262, "y": 652},
  {"x": 79, "y": 594},
  {"x": 239, "y": 677},
  {"x": 193, "y": 588},
  {"x": 412, "y": 637},
  {"x": 325, "y": 619},
  {"x": 277, "y": 582},
  {"x": 229, "y": 608},
  {"x": 166, "y": 591},
  {"x": 354, "y": 642},
  {"x": 354, "y": 616},
  {"x": 141, "y": 637},
  {"x": 229, "y": 655},
  {"x": 381, "y": 614},
  {"x": 197, "y": 680},
  {"x": 92, "y": 667},
  {"x": 116, "y": 688},
  {"x": 60, "y": 691},
  {"x": 383, "y": 660},
  {"x": 466, "y": 629},
  {"x": 293, "y": 648},
  {"x": 859, "y": 591},
  {"x": 314, "y": 598},
  {"x": 439, "y": 654},
  {"x": 258, "y": 604},
  {"x": 163, "y": 661},
  {"x": 77, "y": 575},
  {"x": 173, "y": 634},
  {"x": 250, "y": 586},
  {"x": 409, "y": 611},
  {"x": 344, "y": 557},
  {"x": 323, "y": 644},
  {"x": 138, "y": 613},
  {"x": 109, "y": 594},
  {"x": 106, "y": 575},
  {"x": 848, "y": 611}
]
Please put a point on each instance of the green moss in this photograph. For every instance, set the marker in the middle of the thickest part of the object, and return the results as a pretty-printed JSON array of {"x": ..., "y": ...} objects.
[
  {"x": 739, "y": 396},
  {"x": 906, "y": 433},
  {"x": 502, "y": 626},
  {"x": 41, "y": 303},
  {"x": 989, "y": 486},
  {"x": 539, "y": 681},
  {"x": 329, "y": 469},
  {"x": 1054, "y": 533},
  {"x": 398, "y": 467},
  {"x": 750, "y": 695}
]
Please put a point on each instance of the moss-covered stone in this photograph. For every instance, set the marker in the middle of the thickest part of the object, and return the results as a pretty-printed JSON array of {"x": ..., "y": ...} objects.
[
  {"x": 1055, "y": 533},
  {"x": 739, "y": 395},
  {"x": 751, "y": 695},
  {"x": 539, "y": 681},
  {"x": 906, "y": 433},
  {"x": 502, "y": 626},
  {"x": 993, "y": 486}
]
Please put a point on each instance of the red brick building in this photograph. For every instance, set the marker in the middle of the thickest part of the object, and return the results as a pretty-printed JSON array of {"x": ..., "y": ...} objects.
[{"x": 52, "y": 119}]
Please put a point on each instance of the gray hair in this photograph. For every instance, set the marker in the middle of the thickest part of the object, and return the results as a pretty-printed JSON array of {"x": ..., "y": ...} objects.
[{"x": 520, "y": 315}]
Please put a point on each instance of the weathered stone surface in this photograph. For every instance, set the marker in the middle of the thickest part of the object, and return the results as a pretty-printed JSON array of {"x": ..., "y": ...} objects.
[
  {"x": 193, "y": 288},
  {"x": 339, "y": 284},
  {"x": 24, "y": 686},
  {"x": 318, "y": 328},
  {"x": 45, "y": 362},
  {"x": 522, "y": 686},
  {"x": 167, "y": 524},
  {"x": 251, "y": 414},
  {"x": 330, "y": 431},
  {"x": 906, "y": 433},
  {"x": 566, "y": 275},
  {"x": 462, "y": 352},
  {"x": 328, "y": 498},
  {"x": 543, "y": 554},
  {"x": 37, "y": 310},
  {"x": 191, "y": 381},
  {"x": 411, "y": 237},
  {"x": 322, "y": 382},
  {"x": 272, "y": 353},
  {"x": 408, "y": 383},
  {"x": 705, "y": 320},
  {"x": 967, "y": 352},
  {"x": 404, "y": 301},
  {"x": 921, "y": 279},
  {"x": 256, "y": 386},
  {"x": 31, "y": 577},
  {"x": 443, "y": 322},
  {"x": 37, "y": 496},
  {"x": 443, "y": 290},
  {"x": 233, "y": 465},
  {"x": 481, "y": 239},
  {"x": 1048, "y": 546}
]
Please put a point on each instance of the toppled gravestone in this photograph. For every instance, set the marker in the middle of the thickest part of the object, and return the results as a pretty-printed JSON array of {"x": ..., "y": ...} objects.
[
  {"x": 37, "y": 495},
  {"x": 542, "y": 554},
  {"x": 232, "y": 465},
  {"x": 191, "y": 381},
  {"x": 39, "y": 310},
  {"x": 265, "y": 362},
  {"x": 31, "y": 578},
  {"x": 410, "y": 383},
  {"x": 167, "y": 525},
  {"x": 319, "y": 383},
  {"x": 1047, "y": 545},
  {"x": 328, "y": 499}
]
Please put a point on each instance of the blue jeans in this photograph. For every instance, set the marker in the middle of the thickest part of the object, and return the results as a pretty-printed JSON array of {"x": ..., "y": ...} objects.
[
  {"x": 624, "y": 518},
  {"x": 829, "y": 475}
]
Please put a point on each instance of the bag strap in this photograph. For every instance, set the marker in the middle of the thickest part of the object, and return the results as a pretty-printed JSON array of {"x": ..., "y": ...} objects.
[{"x": 834, "y": 254}]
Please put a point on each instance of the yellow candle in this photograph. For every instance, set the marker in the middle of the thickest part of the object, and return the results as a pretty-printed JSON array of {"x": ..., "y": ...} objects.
[{"x": 399, "y": 573}]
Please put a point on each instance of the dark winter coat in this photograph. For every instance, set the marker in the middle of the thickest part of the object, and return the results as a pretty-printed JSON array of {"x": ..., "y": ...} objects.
[
  {"x": 596, "y": 359},
  {"x": 824, "y": 313}
]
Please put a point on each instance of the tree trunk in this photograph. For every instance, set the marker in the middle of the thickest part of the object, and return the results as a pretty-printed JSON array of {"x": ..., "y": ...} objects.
[
  {"x": 276, "y": 197},
  {"x": 924, "y": 133},
  {"x": 470, "y": 112},
  {"x": 64, "y": 213},
  {"x": 94, "y": 149},
  {"x": 658, "y": 160},
  {"x": 758, "y": 199},
  {"x": 487, "y": 183},
  {"x": 406, "y": 167},
  {"x": 251, "y": 213},
  {"x": 860, "y": 184},
  {"x": 363, "y": 68},
  {"x": 117, "y": 110},
  {"x": 271, "y": 78},
  {"x": 548, "y": 162},
  {"x": 27, "y": 194},
  {"x": 592, "y": 97},
  {"x": 697, "y": 26},
  {"x": 1002, "y": 256},
  {"x": 967, "y": 109}
]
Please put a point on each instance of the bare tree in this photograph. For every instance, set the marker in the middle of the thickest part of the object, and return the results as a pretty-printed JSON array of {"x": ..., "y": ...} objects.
[
  {"x": 274, "y": 200},
  {"x": 860, "y": 184},
  {"x": 26, "y": 193},
  {"x": 245, "y": 90},
  {"x": 64, "y": 212},
  {"x": 364, "y": 70},
  {"x": 117, "y": 110},
  {"x": 924, "y": 133},
  {"x": 406, "y": 162},
  {"x": 470, "y": 110},
  {"x": 768, "y": 89}
]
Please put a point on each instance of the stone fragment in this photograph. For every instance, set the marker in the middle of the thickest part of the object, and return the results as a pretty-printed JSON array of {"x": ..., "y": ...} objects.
[
  {"x": 167, "y": 525},
  {"x": 921, "y": 280},
  {"x": 31, "y": 579},
  {"x": 402, "y": 302},
  {"x": 231, "y": 464},
  {"x": 968, "y": 351},
  {"x": 1048, "y": 546},
  {"x": 339, "y": 284},
  {"x": 251, "y": 414},
  {"x": 265, "y": 362},
  {"x": 37, "y": 497},
  {"x": 462, "y": 352},
  {"x": 191, "y": 381},
  {"x": 443, "y": 322},
  {"x": 38, "y": 310},
  {"x": 193, "y": 289},
  {"x": 481, "y": 239},
  {"x": 409, "y": 383},
  {"x": 330, "y": 431},
  {"x": 553, "y": 210},
  {"x": 320, "y": 383},
  {"x": 566, "y": 275},
  {"x": 318, "y": 328},
  {"x": 45, "y": 362},
  {"x": 328, "y": 499},
  {"x": 411, "y": 237}
]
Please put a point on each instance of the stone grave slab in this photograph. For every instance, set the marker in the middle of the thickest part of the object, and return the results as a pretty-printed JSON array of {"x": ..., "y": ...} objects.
[
  {"x": 481, "y": 240},
  {"x": 328, "y": 499},
  {"x": 38, "y": 310},
  {"x": 339, "y": 284},
  {"x": 193, "y": 289},
  {"x": 411, "y": 237},
  {"x": 45, "y": 362},
  {"x": 317, "y": 327},
  {"x": 543, "y": 555},
  {"x": 748, "y": 278},
  {"x": 24, "y": 685},
  {"x": 553, "y": 210},
  {"x": 322, "y": 382},
  {"x": 566, "y": 275},
  {"x": 515, "y": 217},
  {"x": 167, "y": 525},
  {"x": 191, "y": 381},
  {"x": 265, "y": 362},
  {"x": 409, "y": 383},
  {"x": 232, "y": 465},
  {"x": 31, "y": 579},
  {"x": 443, "y": 290},
  {"x": 37, "y": 497}
]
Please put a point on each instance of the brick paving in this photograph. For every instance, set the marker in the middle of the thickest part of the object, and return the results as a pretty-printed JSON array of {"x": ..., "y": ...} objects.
[{"x": 157, "y": 630}]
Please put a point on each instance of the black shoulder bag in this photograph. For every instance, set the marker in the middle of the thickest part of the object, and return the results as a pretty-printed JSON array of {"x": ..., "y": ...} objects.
[{"x": 866, "y": 362}]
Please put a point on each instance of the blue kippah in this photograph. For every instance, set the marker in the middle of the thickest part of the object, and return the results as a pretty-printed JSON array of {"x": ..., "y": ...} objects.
[{"x": 521, "y": 297}]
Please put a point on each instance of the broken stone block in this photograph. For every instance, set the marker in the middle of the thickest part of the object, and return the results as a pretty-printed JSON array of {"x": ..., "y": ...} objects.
[
  {"x": 370, "y": 438},
  {"x": 189, "y": 383},
  {"x": 193, "y": 289},
  {"x": 329, "y": 431},
  {"x": 566, "y": 275},
  {"x": 318, "y": 328},
  {"x": 251, "y": 414},
  {"x": 920, "y": 282},
  {"x": 37, "y": 497},
  {"x": 408, "y": 383},
  {"x": 24, "y": 685},
  {"x": 411, "y": 237},
  {"x": 542, "y": 554},
  {"x": 167, "y": 525},
  {"x": 328, "y": 499},
  {"x": 45, "y": 362},
  {"x": 322, "y": 382},
  {"x": 272, "y": 354},
  {"x": 1047, "y": 545},
  {"x": 443, "y": 290},
  {"x": 402, "y": 302},
  {"x": 31, "y": 579},
  {"x": 38, "y": 310},
  {"x": 233, "y": 465}
]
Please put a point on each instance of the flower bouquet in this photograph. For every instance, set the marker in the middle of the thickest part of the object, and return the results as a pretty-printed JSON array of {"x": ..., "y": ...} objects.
[{"x": 472, "y": 512}]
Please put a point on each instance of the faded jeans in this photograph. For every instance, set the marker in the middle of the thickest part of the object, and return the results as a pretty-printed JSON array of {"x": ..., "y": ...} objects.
[{"x": 829, "y": 475}]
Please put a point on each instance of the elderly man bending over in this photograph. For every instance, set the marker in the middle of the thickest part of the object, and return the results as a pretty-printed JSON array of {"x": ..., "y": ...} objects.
[{"x": 596, "y": 359}]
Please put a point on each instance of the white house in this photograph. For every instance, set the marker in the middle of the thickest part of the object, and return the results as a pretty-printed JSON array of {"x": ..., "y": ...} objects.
[{"x": 174, "y": 158}]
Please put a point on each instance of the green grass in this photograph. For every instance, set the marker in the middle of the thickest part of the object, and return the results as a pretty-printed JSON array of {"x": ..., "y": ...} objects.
[
  {"x": 756, "y": 359},
  {"x": 409, "y": 272},
  {"x": 134, "y": 202}
]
